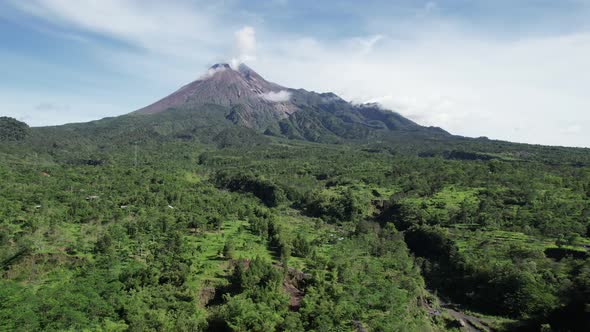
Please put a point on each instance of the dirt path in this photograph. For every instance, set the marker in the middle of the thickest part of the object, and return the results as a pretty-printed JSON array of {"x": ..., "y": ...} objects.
[
  {"x": 292, "y": 285},
  {"x": 468, "y": 323}
]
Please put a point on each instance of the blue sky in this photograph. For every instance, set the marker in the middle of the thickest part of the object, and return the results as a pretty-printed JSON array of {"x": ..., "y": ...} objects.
[{"x": 513, "y": 70}]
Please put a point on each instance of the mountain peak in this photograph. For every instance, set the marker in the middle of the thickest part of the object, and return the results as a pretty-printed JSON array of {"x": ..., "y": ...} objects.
[
  {"x": 244, "y": 97},
  {"x": 229, "y": 86},
  {"x": 241, "y": 70},
  {"x": 216, "y": 68},
  {"x": 219, "y": 66}
]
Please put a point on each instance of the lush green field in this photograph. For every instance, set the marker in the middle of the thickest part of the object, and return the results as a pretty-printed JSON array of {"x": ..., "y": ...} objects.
[{"x": 283, "y": 235}]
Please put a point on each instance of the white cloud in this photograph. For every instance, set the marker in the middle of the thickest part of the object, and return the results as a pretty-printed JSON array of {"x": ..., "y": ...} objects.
[
  {"x": 367, "y": 44},
  {"x": 277, "y": 97},
  {"x": 171, "y": 29},
  {"x": 49, "y": 106},
  {"x": 245, "y": 45},
  {"x": 378, "y": 100},
  {"x": 573, "y": 129},
  {"x": 466, "y": 84},
  {"x": 161, "y": 44}
]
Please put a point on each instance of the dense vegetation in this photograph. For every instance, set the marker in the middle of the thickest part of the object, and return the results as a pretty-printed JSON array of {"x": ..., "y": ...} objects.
[
  {"x": 245, "y": 232},
  {"x": 12, "y": 129}
]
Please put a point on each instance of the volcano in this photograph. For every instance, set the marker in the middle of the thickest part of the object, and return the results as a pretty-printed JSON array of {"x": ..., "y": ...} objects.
[
  {"x": 235, "y": 105},
  {"x": 249, "y": 100},
  {"x": 252, "y": 99}
]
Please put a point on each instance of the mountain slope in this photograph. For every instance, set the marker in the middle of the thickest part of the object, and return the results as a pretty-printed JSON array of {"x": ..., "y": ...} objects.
[
  {"x": 245, "y": 93},
  {"x": 251, "y": 101}
]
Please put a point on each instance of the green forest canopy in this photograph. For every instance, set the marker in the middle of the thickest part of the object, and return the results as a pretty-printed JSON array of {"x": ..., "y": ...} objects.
[{"x": 168, "y": 233}]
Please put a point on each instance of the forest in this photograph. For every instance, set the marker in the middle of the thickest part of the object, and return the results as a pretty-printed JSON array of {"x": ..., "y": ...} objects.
[{"x": 251, "y": 232}]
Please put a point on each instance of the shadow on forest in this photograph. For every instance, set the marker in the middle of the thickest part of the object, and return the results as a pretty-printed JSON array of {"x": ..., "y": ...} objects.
[{"x": 561, "y": 253}]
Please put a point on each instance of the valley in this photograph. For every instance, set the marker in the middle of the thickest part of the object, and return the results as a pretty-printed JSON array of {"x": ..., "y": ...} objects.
[{"x": 207, "y": 215}]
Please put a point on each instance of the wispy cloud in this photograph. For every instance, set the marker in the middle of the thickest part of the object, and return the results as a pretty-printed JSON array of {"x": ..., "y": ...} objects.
[
  {"x": 160, "y": 27},
  {"x": 277, "y": 97},
  {"x": 48, "y": 106},
  {"x": 245, "y": 45}
]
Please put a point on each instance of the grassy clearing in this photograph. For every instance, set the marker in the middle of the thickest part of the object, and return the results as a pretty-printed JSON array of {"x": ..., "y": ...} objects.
[
  {"x": 490, "y": 241},
  {"x": 447, "y": 201},
  {"x": 312, "y": 229},
  {"x": 211, "y": 269},
  {"x": 192, "y": 178},
  {"x": 498, "y": 241},
  {"x": 209, "y": 266},
  {"x": 452, "y": 196}
]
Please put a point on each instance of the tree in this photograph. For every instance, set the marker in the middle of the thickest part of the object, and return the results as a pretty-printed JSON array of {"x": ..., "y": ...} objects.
[
  {"x": 301, "y": 246},
  {"x": 228, "y": 250},
  {"x": 12, "y": 129},
  {"x": 103, "y": 244}
]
